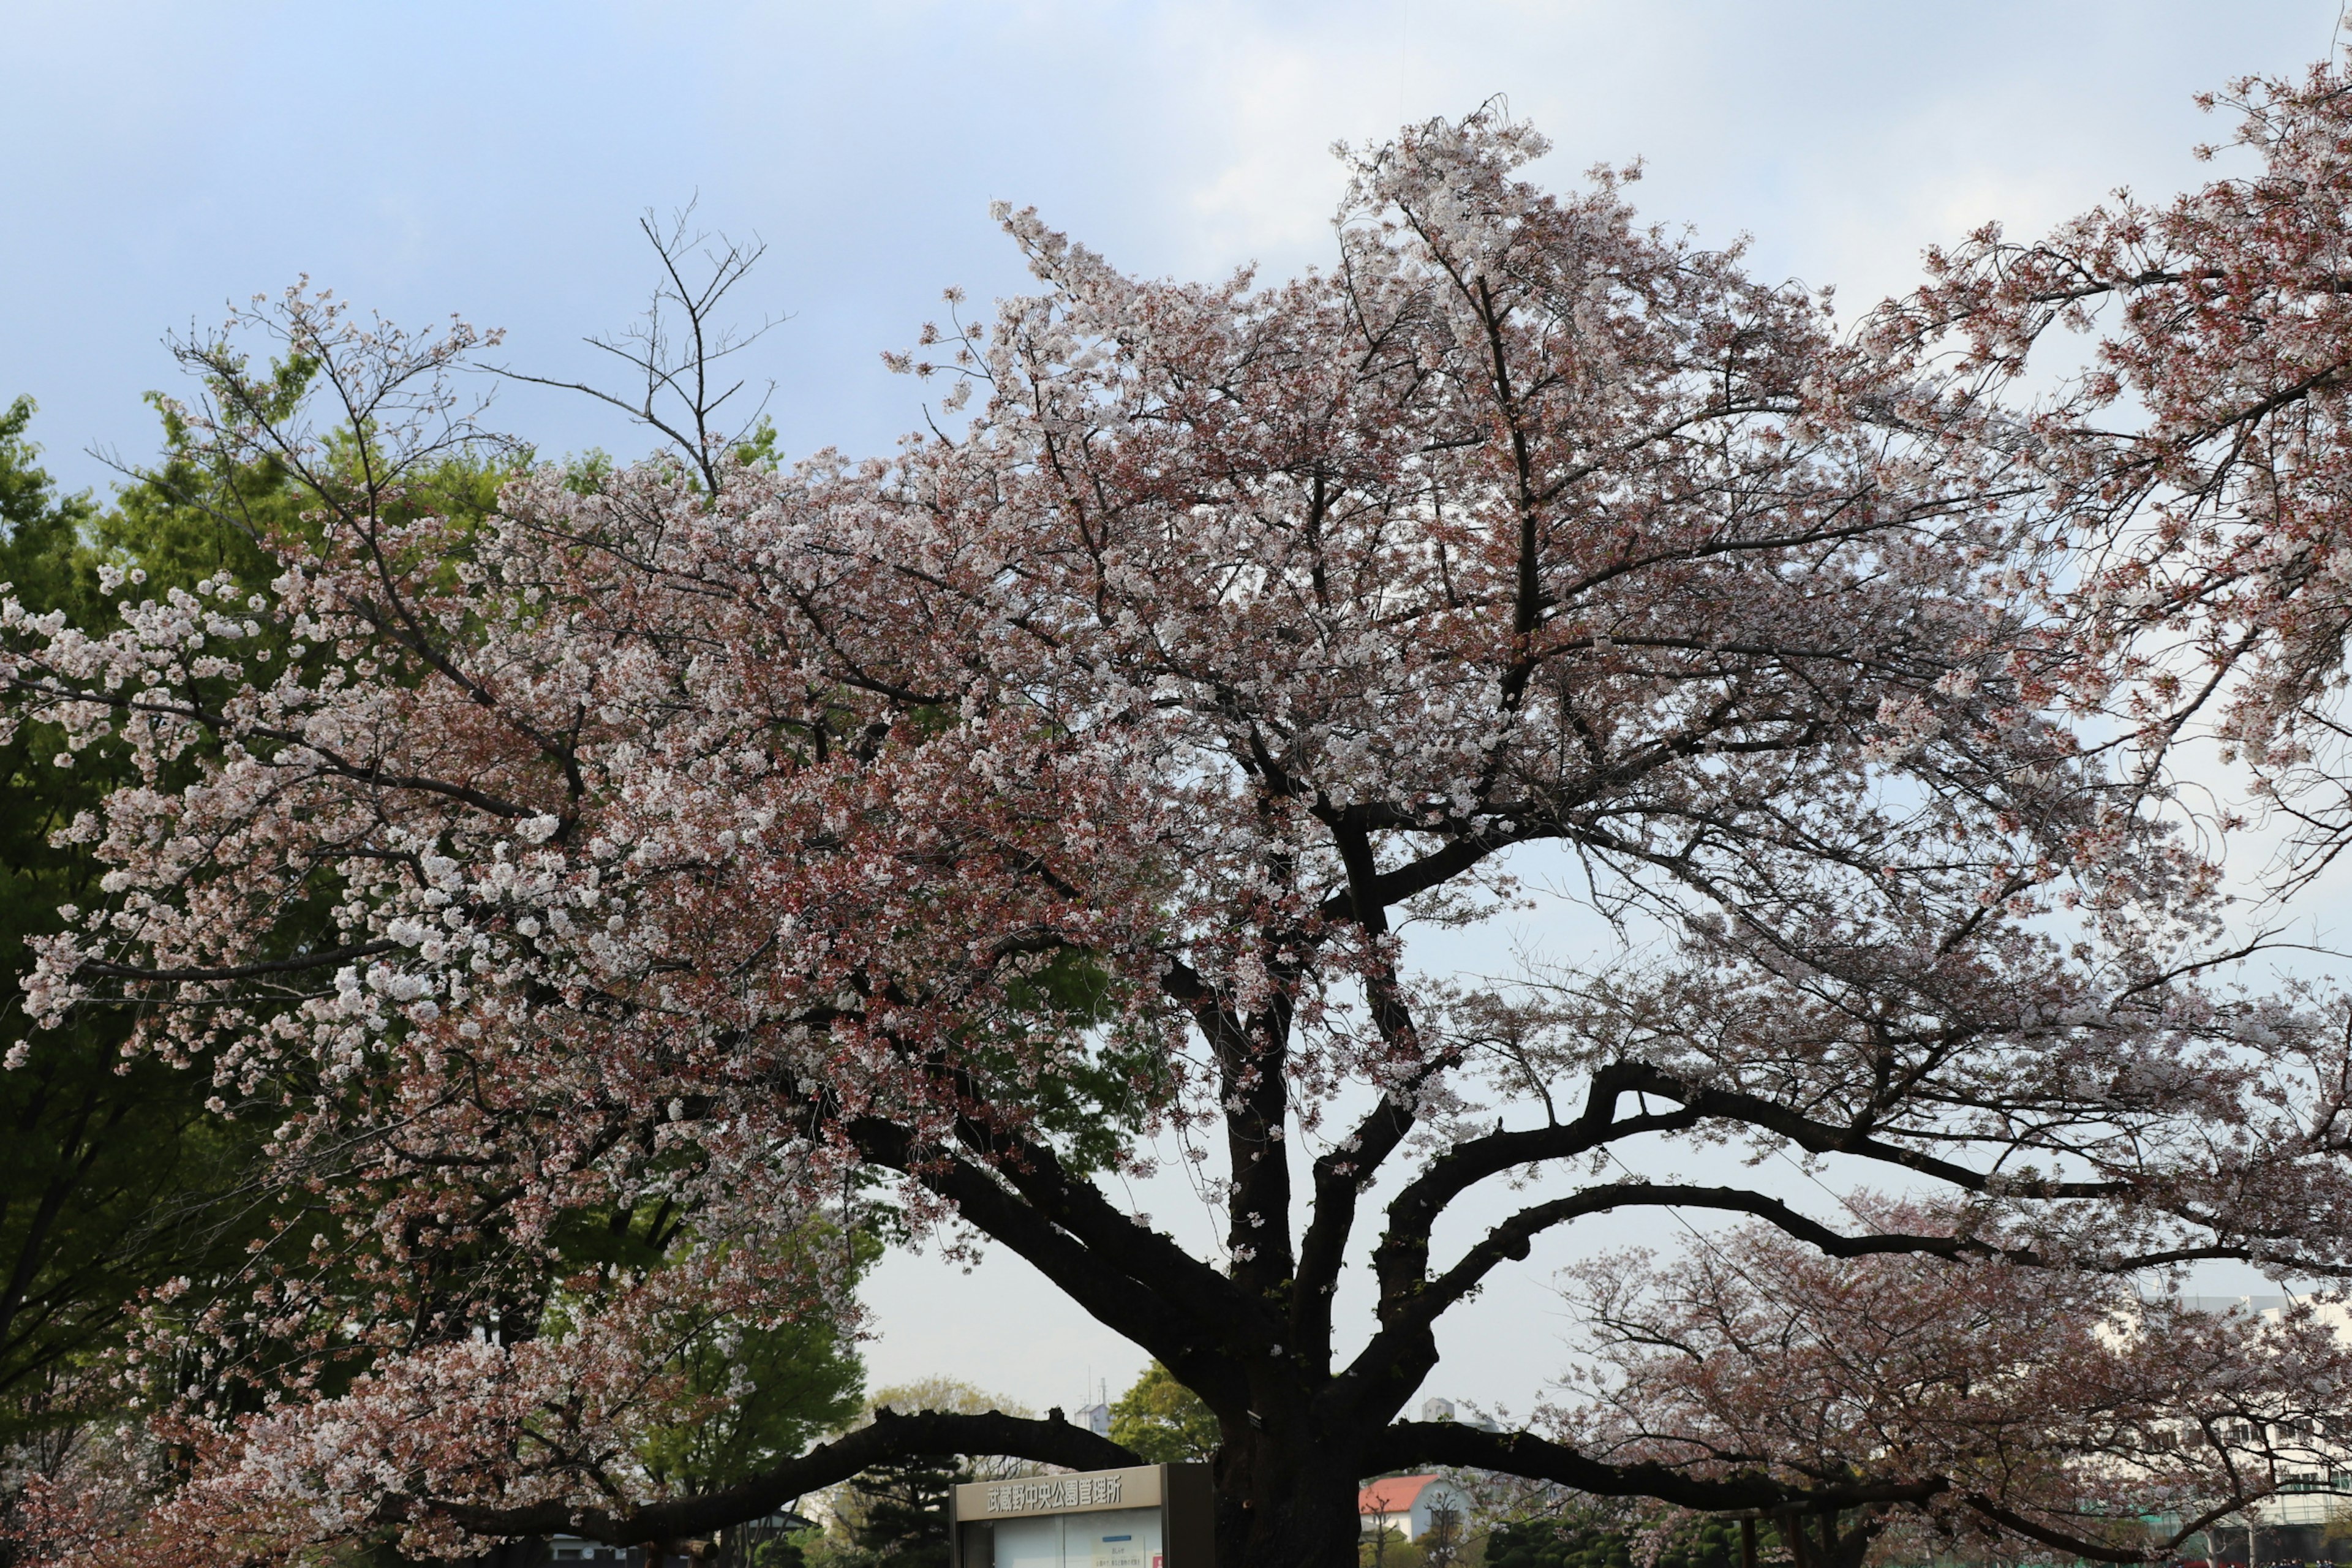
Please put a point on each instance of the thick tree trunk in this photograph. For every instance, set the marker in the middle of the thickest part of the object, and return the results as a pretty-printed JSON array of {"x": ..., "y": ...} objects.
[
  {"x": 1825, "y": 1545},
  {"x": 1285, "y": 1505}
]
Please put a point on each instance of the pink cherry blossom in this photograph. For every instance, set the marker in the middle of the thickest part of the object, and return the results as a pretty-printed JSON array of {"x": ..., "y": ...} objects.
[{"x": 717, "y": 835}]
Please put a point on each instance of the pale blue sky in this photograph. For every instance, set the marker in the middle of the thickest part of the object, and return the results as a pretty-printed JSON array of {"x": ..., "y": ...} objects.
[{"x": 489, "y": 159}]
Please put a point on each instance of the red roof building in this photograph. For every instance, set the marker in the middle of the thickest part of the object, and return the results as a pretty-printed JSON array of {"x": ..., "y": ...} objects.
[{"x": 1410, "y": 1504}]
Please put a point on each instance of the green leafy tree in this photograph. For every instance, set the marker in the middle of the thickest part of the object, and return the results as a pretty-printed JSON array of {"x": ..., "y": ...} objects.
[
  {"x": 1163, "y": 1421},
  {"x": 113, "y": 1174},
  {"x": 117, "y": 1172},
  {"x": 122, "y": 1172},
  {"x": 905, "y": 1511},
  {"x": 193, "y": 517},
  {"x": 786, "y": 1386}
]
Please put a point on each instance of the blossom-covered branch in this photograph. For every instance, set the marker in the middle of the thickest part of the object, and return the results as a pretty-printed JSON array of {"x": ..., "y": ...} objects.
[{"x": 683, "y": 847}]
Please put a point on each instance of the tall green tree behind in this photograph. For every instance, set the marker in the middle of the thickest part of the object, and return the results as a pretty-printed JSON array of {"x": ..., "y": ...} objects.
[
  {"x": 1163, "y": 1421},
  {"x": 112, "y": 1175},
  {"x": 904, "y": 1522},
  {"x": 115, "y": 1174},
  {"x": 785, "y": 1385}
]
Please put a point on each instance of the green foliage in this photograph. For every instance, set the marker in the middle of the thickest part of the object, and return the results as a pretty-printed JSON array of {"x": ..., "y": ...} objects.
[
  {"x": 762, "y": 445},
  {"x": 785, "y": 1552},
  {"x": 110, "y": 1169},
  {"x": 42, "y": 552},
  {"x": 114, "y": 1176},
  {"x": 795, "y": 1382},
  {"x": 187, "y": 519},
  {"x": 1089, "y": 1104},
  {"x": 1556, "y": 1543},
  {"x": 903, "y": 1511},
  {"x": 192, "y": 515},
  {"x": 1163, "y": 1421},
  {"x": 1388, "y": 1549},
  {"x": 785, "y": 1385}
]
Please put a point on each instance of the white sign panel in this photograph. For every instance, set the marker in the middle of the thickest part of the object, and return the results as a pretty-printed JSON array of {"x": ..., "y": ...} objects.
[{"x": 1135, "y": 1488}]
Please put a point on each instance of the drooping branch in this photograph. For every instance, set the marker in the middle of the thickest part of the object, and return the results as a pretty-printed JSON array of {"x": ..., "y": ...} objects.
[
  {"x": 1415, "y": 1444},
  {"x": 892, "y": 1437},
  {"x": 326, "y": 958},
  {"x": 2098, "y": 1550},
  {"x": 1410, "y": 1444},
  {"x": 1409, "y": 1316}
]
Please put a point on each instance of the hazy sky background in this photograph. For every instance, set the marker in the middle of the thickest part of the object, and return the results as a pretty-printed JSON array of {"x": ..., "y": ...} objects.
[{"x": 489, "y": 159}]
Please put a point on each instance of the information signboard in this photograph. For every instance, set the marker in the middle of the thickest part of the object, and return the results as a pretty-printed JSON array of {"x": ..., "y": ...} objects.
[{"x": 1147, "y": 1516}]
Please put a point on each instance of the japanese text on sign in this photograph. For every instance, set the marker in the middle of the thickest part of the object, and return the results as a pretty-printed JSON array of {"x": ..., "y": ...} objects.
[{"x": 1049, "y": 1493}]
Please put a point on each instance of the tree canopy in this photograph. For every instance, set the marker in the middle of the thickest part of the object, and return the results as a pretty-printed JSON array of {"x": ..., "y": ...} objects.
[
  {"x": 113, "y": 1177},
  {"x": 1162, "y": 1422},
  {"x": 680, "y": 852}
]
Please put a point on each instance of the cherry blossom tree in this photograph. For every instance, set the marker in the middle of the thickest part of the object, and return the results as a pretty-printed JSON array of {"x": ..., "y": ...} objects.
[
  {"x": 710, "y": 840},
  {"x": 2205, "y": 451},
  {"x": 2059, "y": 1404}
]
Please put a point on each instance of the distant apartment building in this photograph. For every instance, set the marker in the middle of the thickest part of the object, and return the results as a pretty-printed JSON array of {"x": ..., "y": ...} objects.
[{"x": 2293, "y": 1525}]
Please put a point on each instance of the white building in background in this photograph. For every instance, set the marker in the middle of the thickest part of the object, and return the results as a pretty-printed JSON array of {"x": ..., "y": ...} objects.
[
  {"x": 1411, "y": 1505},
  {"x": 574, "y": 1553},
  {"x": 2315, "y": 1494},
  {"x": 1443, "y": 1410},
  {"x": 1095, "y": 1417},
  {"x": 571, "y": 1549}
]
